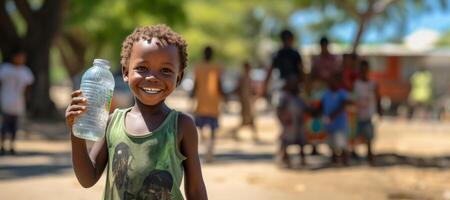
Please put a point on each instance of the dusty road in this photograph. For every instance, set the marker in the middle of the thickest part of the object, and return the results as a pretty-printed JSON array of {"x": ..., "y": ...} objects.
[{"x": 413, "y": 162}]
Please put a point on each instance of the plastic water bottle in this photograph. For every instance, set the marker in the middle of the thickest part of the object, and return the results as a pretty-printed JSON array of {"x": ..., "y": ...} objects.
[{"x": 97, "y": 85}]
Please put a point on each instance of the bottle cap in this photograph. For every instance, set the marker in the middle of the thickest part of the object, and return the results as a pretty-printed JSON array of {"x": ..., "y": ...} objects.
[{"x": 102, "y": 62}]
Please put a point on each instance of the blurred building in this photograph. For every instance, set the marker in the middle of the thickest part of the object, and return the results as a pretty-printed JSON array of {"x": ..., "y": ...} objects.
[{"x": 392, "y": 65}]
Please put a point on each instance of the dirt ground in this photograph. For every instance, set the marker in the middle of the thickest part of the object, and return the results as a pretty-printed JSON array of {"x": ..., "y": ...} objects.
[{"x": 412, "y": 162}]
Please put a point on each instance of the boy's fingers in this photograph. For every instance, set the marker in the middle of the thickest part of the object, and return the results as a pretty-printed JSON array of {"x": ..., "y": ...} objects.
[
  {"x": 76, "y": 93},
  {"x": 78, "y": 100},
  {"x": 76, "y": 108},
  {"x": 73, "y": 113}
]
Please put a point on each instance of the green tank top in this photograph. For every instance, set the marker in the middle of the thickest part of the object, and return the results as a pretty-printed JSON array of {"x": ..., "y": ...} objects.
[{"x": 143, "y": 167}]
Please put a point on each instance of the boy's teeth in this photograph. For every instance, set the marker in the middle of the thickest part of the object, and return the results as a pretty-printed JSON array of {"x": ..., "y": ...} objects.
[{"x": 152, "y": 90}]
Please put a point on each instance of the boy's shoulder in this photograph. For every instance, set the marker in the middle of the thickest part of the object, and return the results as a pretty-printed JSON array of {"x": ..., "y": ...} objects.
[
  {"x": 185, "y": 126},
  {"x": 184, "y": 119}
]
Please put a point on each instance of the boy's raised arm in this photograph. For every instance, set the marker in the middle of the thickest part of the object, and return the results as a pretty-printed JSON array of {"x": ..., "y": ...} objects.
[
  {"x": 88, "y": 167},
  {"x": 194, "y": 185}
]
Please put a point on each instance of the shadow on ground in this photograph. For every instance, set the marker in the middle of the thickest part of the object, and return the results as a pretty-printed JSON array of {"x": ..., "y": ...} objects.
[
  {"x": 10, "y": 169},
  {"x": 234, "y": 157},
  {"x": 391, "y": 160},
  {"x": 323, "y": 162}
]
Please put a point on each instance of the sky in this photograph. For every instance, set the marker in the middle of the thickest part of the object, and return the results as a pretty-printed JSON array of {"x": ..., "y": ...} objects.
[{"x": 438, "y": 20}]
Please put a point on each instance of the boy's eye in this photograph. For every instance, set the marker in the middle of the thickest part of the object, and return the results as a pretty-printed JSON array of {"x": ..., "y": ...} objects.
[
  {"x": 166, "y": 70},
  {"x": 140, "y": 69}
]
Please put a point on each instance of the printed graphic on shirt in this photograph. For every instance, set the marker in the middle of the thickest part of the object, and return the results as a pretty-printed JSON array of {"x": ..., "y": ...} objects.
[
  {"x": 120, "y": 167},
  {"x": 156, "y": 186}
]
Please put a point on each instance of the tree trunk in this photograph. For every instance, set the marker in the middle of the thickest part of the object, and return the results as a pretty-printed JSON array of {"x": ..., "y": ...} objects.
[
  {"x": 42, "y": 27},
  {"x": 40, "y": 106}
]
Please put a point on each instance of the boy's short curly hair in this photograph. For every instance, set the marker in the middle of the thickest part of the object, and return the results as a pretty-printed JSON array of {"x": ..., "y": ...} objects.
[{"x": 160, "y": 31}]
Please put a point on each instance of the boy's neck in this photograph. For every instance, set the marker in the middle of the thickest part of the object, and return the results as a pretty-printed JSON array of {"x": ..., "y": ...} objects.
[{"x": 157, "y": 109}]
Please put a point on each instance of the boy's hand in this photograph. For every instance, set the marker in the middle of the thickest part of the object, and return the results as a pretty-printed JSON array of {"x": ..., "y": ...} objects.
[{"x": 76, "y": 107}]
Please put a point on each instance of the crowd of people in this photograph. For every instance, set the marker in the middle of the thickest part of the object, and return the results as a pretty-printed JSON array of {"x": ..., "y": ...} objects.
[{"x": 333, "y": 104}]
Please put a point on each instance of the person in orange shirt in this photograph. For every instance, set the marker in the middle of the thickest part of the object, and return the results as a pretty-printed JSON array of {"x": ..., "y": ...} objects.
[{"x": 208, "y": 93}]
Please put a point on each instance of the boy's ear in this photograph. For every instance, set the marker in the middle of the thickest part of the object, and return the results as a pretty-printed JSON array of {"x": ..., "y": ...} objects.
[
  {"x": 180, "y": 77},
  {"x": 125, "y": 74}
]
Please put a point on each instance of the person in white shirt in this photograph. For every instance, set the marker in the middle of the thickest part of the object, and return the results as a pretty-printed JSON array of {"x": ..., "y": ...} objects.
[
  {"x": 367, "y": 101},
  {"x": 15, "y": 77}
]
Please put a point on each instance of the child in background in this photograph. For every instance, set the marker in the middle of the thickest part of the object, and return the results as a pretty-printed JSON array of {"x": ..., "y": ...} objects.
[
  {"x": 290, "y": 112},
  {"x": 208, "y": 93},
  {"x": 149, "y": 146},
  {"x": 246, "y": 98},
  {"x": 335, "y": 118},
  {"x": 367, "y": 101},
  {"x": 16, "y": 80}
]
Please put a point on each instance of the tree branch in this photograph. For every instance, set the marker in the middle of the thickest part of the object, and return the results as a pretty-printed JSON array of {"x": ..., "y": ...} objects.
[
  {"x": 364, "y": 19},
  {"x": 24, "y": 8}
]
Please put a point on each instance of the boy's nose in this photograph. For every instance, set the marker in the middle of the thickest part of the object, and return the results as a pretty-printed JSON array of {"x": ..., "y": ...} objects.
[{"x": 151, "y": 78}]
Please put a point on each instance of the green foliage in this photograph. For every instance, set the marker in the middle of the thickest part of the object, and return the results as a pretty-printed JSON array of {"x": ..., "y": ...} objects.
[
  {"x": 103, "y": 25},
  {"x": 58, "y": 74},
  {"x": 232, "y": 28}
]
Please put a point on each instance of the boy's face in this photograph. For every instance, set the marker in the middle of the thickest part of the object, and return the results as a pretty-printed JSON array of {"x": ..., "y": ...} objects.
[{"x": 153, "y": 70}]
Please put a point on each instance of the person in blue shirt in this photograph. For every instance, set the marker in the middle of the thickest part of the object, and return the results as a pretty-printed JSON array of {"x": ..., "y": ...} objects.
[{"x": 333, "y": 105}]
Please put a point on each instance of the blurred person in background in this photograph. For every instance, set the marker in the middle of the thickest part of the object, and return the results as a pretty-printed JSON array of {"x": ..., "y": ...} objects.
[
  {"x": 325, "y": 64},
  {"x": 16, "y": 79},
  {"x": 208, "y": 93},
  {"x": 287, "y": 60},
  {"x": 333, "y": 106},
  {"x": 290, "y": 112},
  {"x": 246, "y": 99},
  {"x": 367, "y": 100},
  {"x": 421, "y": 91}
]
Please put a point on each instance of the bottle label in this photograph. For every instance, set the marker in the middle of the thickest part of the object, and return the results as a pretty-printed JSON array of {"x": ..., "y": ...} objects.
[{"x": 109, "y": 94}]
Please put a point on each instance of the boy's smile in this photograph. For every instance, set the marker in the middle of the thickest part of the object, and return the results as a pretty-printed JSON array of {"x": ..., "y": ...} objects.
[{"x": 153, "y": 70}]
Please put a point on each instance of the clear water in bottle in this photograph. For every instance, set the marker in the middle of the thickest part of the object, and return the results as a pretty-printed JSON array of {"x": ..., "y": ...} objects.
[{"x": 97, "y": 85}]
